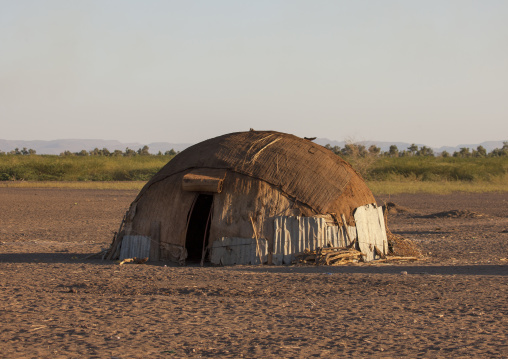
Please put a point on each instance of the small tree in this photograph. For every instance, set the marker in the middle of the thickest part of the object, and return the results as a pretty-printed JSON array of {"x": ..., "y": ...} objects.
[
  {"x": 481, "y": 151},
  {"x": 143, "y": 151},
  {"x": 464, "y": 152},
  {"x": 393, "y": 151},
  {"x": 374, "y": 150},
  {"x": 413, "y": 149},
  {"x": 425, "y": 152},
  {"x": 171, "y": 152},
  {"x": 349, "y": 150},
  {"x": 129, "y": 153},
  {"x": 334, "y": 149}
]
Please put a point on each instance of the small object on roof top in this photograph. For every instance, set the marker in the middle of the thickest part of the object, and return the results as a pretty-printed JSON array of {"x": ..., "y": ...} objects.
[
  {"x": 309, "y": 138},
  {"x": 251, "y": 129}
]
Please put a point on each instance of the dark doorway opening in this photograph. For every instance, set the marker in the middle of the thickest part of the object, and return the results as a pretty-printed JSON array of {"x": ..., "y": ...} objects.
[{"x": 198, "y": 229}]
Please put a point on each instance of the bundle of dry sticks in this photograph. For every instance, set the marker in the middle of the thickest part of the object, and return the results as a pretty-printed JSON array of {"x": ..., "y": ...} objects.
[
  {"x": 336, "y": 256},
  {"x": 332, "y": 256}
]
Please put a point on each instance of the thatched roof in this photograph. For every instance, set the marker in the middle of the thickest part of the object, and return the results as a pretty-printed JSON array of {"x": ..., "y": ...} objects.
[{"x": 301, "y": 169}]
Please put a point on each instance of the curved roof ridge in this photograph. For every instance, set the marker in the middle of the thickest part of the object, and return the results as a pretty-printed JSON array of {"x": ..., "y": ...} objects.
[{"x": 302, "y": 169}]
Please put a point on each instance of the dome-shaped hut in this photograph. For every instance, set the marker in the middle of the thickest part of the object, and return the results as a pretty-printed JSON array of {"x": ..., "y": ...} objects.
[{"x": 249, "y": 198}]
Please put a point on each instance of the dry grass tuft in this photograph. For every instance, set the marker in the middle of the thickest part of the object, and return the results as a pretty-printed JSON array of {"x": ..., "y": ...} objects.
[{"x": 403, "y": 247}]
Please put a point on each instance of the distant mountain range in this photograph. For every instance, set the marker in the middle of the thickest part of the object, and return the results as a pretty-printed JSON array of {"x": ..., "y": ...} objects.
[{"x": 56, "y": 147}]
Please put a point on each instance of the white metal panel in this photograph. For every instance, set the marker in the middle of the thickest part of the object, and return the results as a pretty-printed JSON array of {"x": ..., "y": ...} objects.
[
  {"x": 135, "y": 246},
  {"x": 233, "y": 250},
  {"x": 352, "y": 234},
  {"x": 369, "y": 226}
]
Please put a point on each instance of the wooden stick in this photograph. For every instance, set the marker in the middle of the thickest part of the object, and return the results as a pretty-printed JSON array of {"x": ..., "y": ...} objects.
[
  {"x": 344, "y": 262},
  {"x": 116, "y": 238},
  {"x": 203, "y": 251},
  {"x": 134, "y": 260},
  {"x": 345, "y": 256},
  {"x": 379, "y": 253},
  {"x": 258, "y": 252},
  {"x": 350, "y": 244}
]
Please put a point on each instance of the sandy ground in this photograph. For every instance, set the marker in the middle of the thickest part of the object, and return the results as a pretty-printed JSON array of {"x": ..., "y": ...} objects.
[{"x": 54, "y": 303}]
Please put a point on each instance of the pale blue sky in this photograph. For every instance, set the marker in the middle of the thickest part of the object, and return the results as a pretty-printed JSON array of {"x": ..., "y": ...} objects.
[{"x": 431, "y": 72}]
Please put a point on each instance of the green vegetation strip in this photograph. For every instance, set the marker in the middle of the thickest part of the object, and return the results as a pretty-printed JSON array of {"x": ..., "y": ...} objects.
[
  {"x": 80, "y": 168},
  {"x": 115, "y": 185},
  {"x": 377, "y": 187},
  {"x": 384, "y": 175}
]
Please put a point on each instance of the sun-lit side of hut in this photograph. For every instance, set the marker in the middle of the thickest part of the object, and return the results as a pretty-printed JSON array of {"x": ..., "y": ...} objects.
[{"x": 250, "y": 198}]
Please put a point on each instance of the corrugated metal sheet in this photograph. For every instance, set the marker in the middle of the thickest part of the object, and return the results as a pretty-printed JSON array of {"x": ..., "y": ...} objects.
[
  {"x": 285, "y": 228},
  {"x": 336, "y": 236},
  {"x": 371, "y": 230},
  {"x": 294, "y": 234},
  {"x": 312, "y": 233},
  {"x": 135, "y": 246},
  {"x": 230, "y": 250}
]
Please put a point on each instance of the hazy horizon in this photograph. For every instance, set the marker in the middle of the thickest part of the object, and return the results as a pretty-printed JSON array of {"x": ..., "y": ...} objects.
[
  {"x": 433, "y": 72},
  {"x": 58, "y": 146}
]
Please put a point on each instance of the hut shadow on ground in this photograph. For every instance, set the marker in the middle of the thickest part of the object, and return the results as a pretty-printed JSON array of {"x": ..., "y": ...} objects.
[
  {"x": 81, "y": 258},
  {"x": 492, "y": 269},
  {"x": 50, "y": 257}
]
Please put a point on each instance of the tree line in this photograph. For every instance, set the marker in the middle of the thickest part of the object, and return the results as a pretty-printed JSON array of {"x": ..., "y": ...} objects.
[
  {"x": 359, "y": 150},
  {"x": 349, "y": 150},
  {"x": 144, "y": 151}
]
